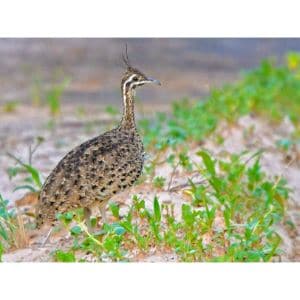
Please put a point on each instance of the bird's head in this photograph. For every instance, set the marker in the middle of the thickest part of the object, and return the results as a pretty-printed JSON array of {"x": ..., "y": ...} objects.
[{"x": 133, "y": 77}]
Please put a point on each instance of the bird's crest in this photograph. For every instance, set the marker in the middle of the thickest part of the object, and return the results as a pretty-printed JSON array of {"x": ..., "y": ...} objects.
[{"x": 126, "y": 58}]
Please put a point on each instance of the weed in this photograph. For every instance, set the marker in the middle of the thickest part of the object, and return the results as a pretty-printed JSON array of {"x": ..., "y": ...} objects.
[
  {"x": 111, "y": 110},
  {"x": 1, "y": 251},
  {"x": 53, "y": 97},
  {"x": 11, "y": 106},
  {"x": 159, "y": 182},
  {"x": 61, "y": 256},
  {"x": 285, "y": 144},
  {"x": 7, "y": 226},
  {"x": 33, "y": 181},
  {"x": 36, "y": 91},
  {"x": 12, "y": 232}
]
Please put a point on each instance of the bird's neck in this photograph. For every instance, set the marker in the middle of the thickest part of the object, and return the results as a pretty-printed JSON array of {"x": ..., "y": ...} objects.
[{"x": 128, "y": 119}]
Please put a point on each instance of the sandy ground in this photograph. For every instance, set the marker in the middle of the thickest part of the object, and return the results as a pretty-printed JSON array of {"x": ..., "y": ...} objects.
[{"x": 250, "y": 133}]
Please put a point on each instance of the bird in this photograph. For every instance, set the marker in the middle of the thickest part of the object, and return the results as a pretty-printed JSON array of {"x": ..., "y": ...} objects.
[{"x": 92, "y": 173}]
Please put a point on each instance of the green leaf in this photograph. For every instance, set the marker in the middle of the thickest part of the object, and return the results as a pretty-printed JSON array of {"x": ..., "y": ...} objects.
[
  {"x": 254, "y": 172},
  {"x": 1, "y": 251},
  {"x": 75, "y": 230},
  {"x": 13, "y": 171},
  {"x": 187, "y": 214},
  {"x": 68, "y": 216},
  {"x": 171, "y": 159},
  {"x": 65, "y": 218},
  {"x": 185, "y": 162},
  {"x": 208, "y": 162},
  {"x": 159, "y": 181},
  {"x": 62, "y": 256},
  {"x": 284, "y": 144},
  {"x": 93, "y": 221},
  {"x": 119, "y": 230},
  {"x": 293, "y": 60},
  {"x": 127, "y": 225},
  {"x": 3, "y": 232},
  {"x": 157, "y": 212},
  {"x": 115, "y": 209},
  {"x": 25, "y": 187},
  {"x": 35, "y": 174}
]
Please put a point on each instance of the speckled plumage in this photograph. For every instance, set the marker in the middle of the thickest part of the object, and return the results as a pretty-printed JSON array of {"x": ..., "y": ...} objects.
[{"x": 93, "y": 172}]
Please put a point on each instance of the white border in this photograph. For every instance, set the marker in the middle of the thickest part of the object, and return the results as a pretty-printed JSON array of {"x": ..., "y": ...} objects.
[
  {"x": 150, "y": 281},
  {"x": 149, "y": 18}
]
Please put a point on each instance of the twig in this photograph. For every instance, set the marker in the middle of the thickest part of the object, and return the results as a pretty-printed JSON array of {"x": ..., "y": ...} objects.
[
  {"x": 172, "y": 175},
  {"x": 15, "y": 158},
  {"x": 84, "y": 228},
  {"x": 31, "y": 151},
  {"x": 281, "y": 175},
  {"x": 257, "y": 153},
  {"x": 181, "y": 186}
]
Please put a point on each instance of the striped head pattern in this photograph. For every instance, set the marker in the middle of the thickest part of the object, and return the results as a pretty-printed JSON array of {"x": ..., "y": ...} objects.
[{"x": 133, "y": 77}]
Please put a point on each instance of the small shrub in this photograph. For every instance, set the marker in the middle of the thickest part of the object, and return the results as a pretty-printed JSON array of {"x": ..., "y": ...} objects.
[{"x": 159, "y": 182}]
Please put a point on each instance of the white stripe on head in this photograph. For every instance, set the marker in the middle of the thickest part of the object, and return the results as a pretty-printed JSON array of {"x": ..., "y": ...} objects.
[
  {"x": 124, "y": 84},
  {"x": 139, "y": 83},
  {"x": 128, "y": 80}
]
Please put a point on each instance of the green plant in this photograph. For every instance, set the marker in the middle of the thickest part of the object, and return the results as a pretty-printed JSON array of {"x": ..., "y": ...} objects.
[
  {"x": 111, "y": 110},
  {"x": 285, "y": 144},
  {"x": 7, "y": 226},
  {"x": 11, "y": 106},
  {"x": 1, "y": 251},
  {"x": 159, "y": 181},
  {"x": 36, "y": 91},
  {"x": 53, "y": 96},
  {"x": 32, "y": 182},
  {"x": 61, "y": 256}
]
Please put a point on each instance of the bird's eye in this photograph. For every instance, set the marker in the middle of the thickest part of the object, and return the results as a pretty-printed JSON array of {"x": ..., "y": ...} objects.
[{"x": 135, "y": 78}]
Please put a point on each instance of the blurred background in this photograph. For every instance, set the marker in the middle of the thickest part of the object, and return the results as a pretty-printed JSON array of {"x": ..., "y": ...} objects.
[{"x": 186, "y": 67}]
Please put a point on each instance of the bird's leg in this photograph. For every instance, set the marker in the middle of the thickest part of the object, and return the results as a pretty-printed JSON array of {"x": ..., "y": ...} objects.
[
  {"x": 87, "y": 216},
  {"x": 103, "y": 213}
]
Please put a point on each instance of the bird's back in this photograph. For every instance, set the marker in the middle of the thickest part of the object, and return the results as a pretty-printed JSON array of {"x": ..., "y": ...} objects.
[{"x": 92, "y": 173}]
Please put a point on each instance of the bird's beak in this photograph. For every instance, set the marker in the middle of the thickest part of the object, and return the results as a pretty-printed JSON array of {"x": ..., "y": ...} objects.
[{"x": 152, "y": 80}]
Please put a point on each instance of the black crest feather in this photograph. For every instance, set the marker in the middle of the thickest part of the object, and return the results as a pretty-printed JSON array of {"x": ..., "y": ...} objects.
[{"x": 126, "y": 58}]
